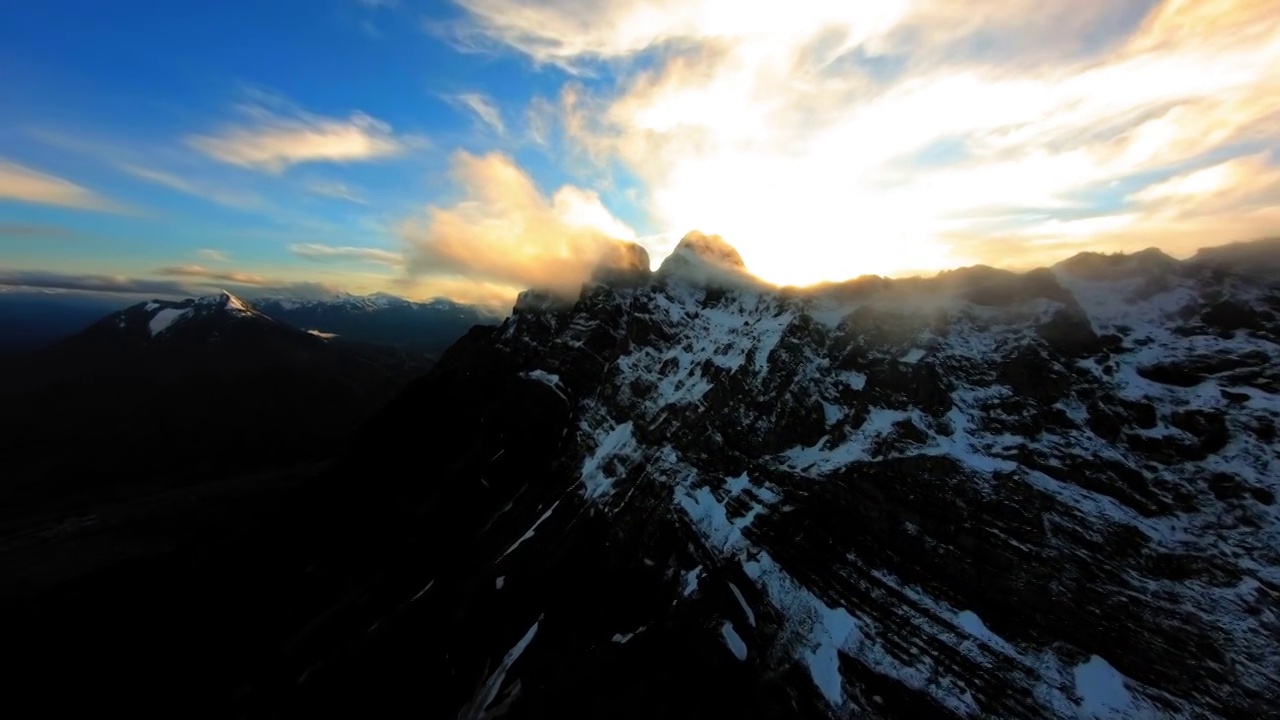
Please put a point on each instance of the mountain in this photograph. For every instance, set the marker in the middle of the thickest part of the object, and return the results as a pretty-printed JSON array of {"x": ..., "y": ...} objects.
[
  {"x": 177, "y": 392},
  {"x": 379, "y": 318},
  {"x": 1257, "y": 257},
  {"x": 686, "y": 494}
]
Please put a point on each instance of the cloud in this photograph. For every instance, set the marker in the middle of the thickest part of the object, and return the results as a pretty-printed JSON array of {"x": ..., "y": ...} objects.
[
  {"x": 493, "y": 296},
  {"x": 273, "y": 141},
  {"x": 206, "y": 280},
  {"x": 122, "y": 285},
  {"x": 26, "y": 185},
  {"x": 826, "y": 139},
  {"x": 506, "y": 233},
  {"x": 482, "y": 107},
  {"x": 213, "y": 255},
  {"x": 42, "y": 279},
  {"x": 314, "y": 251},
  {"x": 198, "y": 271},
  {"x": 222, "y": 196},
  {"x": 33, "y": 230},
  {"x": 379, "y": 4},
  {"x": 336, "y": 190}
]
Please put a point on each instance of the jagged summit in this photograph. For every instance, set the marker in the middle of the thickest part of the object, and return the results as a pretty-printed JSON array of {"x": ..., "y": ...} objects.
[
  {"x": 624, "y": 264},
  {"x": 1115, "y": 266},
  {"x": 984, "y": 494},
  {"x": 705, "y": 260}
]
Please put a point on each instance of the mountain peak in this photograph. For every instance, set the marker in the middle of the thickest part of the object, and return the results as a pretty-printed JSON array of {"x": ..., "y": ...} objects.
[
  {"x": 625, "y": 264},
  {"x": 704, "y": 259},
  {"x": 224, "y": 300},
  {"x": 1114, "y": 266}
]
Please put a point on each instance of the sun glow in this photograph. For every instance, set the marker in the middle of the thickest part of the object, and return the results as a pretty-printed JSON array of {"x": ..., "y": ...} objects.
[{"x": 829, "y": 139}]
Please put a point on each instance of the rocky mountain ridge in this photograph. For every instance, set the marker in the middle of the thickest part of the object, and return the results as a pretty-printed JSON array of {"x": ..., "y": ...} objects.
[
  {"x": 984, "y": 494},
  {"x": 689, "y": 495}
]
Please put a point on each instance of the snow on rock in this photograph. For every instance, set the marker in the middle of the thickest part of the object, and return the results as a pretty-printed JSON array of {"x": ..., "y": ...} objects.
[
  {"x": 528, "y": 534},
  {"x": 551, "y": 380},
  {"x": 164, "y": 319},
  {"x": 1103, "y": 693},
  {"x": 733, "y": 641},
  {"x": 623, "y": 638},
  {"x": 1083, "y": 457},
  {"x": 489, "y": 690}
]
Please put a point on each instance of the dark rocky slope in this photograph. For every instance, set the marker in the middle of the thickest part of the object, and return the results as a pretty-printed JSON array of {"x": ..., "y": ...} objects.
[
  {"x": 980, "y": 495},
  {"x": 171, "y": 393}
]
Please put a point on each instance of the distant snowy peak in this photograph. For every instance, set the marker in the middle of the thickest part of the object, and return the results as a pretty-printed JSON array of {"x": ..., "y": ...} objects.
[
  {"x": 162, "y": 316},
  {"x": 347, "y": 301}
]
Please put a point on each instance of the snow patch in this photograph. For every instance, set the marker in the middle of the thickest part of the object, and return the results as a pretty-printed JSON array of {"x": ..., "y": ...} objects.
[
  {"x": 618, "y": 442},
  {"x": 489, "y": 691},
  {"x": 733, "y": 641},
  {"x": 1103, "y": 693},
  {"x": 913, "y": 356},
  {"x": 622, "y": 638},
  {"x": 550, "y": 379},
  {"x": 165, "y": 319},
  {"x": 751, "y": 616},
  {"x": 531, "y": 530}
]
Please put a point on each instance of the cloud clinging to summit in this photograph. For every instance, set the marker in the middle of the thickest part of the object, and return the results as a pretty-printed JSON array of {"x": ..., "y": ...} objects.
[{"x": 922, "y": 134}]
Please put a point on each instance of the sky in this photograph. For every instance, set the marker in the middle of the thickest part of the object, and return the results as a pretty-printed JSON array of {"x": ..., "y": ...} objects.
[{"x": 474, "y": 148}]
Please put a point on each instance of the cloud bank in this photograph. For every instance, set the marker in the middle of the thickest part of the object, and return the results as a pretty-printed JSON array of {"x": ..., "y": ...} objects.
[
  {"x": 505, "y": 234},
  {"x": 194, "y": 281},
  {"x": 827, "y": 139}
]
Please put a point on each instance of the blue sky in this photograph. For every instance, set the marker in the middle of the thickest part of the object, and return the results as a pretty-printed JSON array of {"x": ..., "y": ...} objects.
[{"x": 476, "y": 147}]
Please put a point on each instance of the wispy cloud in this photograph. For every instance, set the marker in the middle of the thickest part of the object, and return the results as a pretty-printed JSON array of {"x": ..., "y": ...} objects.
[
  {"x": 27, "y": 185},
  {"x": 193, "y": 284},
  {"x": 199, "y": 271},
  {"x": 213, "y": 255},
  {"x": 379, "y": 4},
  {"x": 319, "y": 252},
  {"x": 222, "y": 196},
  {"x": 506, "y": 233},
  {"x": 340, "y": 191},
  {"x": 205, "y": 279},
  {"x": 51, "y": 280},
  {"x": 272, "y": 141},
  {"x": 891, "y": 137},
  {"x": 482, "y": 107}
]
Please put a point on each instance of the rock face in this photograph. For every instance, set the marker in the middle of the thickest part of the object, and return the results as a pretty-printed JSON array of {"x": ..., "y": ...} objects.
[{"x": 1048, "y": 495}]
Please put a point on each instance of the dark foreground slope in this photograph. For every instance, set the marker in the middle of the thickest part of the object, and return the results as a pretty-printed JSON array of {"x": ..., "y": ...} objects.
[
  {"x": 180, "y": 392},
  {"x": 982, "y": 495}
]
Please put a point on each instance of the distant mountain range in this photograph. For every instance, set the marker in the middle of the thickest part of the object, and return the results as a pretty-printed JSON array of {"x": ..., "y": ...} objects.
[
  {"x": 379, "y": 318},
  {"x": 181, "y": 391},
  {"x": 30, "y": 320}
]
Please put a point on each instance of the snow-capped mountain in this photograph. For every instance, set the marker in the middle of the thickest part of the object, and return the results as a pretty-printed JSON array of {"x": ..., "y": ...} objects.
[
  {"x": 203, "y": 319},
  {"x": 160, "y": 365},
  {"x": 379, "y": 318},
  {"x": 984, "y": 494}
]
